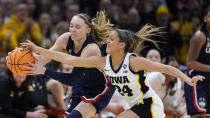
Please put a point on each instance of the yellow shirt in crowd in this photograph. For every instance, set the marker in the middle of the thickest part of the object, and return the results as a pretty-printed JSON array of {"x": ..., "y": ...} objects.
[{"x": 18, "y": 34}]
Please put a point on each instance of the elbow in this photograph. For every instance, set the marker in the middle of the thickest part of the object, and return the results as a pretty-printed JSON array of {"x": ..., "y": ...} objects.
[{"x": 189, "y": 64}]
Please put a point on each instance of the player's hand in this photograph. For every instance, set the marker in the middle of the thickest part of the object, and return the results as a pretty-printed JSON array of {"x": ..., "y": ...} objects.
[
  {"x": 195, "y": 79},
  {"x": 35, "y": 68},
  {"x": 30, "y": 45}
]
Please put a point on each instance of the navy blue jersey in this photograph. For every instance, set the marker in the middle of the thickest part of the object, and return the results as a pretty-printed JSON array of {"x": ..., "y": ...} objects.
[
  {"x": 86, "y": 76},
  {"x": 204, "y": 58}
]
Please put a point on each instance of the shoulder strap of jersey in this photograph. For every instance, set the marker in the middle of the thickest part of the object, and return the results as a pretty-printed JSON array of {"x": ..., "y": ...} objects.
[
  {"x": 107, "y": 65},
  {"x": 127, "y": 57}
]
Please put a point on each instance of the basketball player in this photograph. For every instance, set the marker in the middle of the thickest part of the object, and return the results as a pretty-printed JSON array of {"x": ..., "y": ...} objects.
[
  {"x": 91, "y": 90},
  {"x": 125, "y": 70},
  {"x": 198, "y": 60}
]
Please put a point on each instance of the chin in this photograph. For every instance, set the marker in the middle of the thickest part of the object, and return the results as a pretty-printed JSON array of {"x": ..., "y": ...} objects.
[{"x": 107, "y": 51}]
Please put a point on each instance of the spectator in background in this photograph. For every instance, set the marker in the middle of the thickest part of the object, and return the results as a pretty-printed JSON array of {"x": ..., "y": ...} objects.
[
  {"x": 19, "y": 28},
  {"x": 35, "y": 8},
  {"x": 60, "y": 28},
  {"x": 185, "y": 29},
  {"x": 71, "y": 10},
  {"x": 56, "y": 11},
  {"x": 7, "y": 9},
  {"x": 153, "y": 55},
  {"x": 167, "y": 87},
  {"x": 4, "y": 71},
  {"x": 67, "y": 89},
  {"x": 55, "y": 95},
  {"x": 45, "y": 24},
  {"x": 147, "y": 10},
  {"x": 1, "y": 17},
  {"x": 19, "y": 97},
  {"x": 134, "y": 19},
  {"x": 171, "y": 39}
]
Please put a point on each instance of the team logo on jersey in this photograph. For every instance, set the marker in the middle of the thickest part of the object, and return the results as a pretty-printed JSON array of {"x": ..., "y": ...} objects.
[
  {"x": 119, "y": 80},
  {"x": 125, "y": 71},
  {"x": 207, "y": 46},
  {"x": 202, "y": 102},
  {"x": 124, "y": 66}
]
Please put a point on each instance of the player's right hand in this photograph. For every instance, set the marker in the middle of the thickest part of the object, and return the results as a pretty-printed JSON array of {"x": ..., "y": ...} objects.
[{"x": 30, "y": 45}]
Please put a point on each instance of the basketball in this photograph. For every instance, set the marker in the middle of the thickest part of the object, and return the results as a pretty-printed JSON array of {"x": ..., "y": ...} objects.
[{"x": 18, "y": 58}]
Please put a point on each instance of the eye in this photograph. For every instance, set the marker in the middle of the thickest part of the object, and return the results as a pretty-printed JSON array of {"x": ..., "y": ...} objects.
[{"x": 78, "y": 27}]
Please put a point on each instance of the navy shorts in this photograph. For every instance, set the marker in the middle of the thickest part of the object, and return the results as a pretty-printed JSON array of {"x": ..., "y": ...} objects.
[
  {"x": 99, "y": 96},
  {"x": 197, "y": 97}
]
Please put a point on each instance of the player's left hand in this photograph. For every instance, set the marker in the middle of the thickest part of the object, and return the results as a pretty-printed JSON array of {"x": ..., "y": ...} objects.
[
  {"x": 195, "y": 79},
  {"x": 35, "y": 68},
  {"x": 30, "y": 45}
]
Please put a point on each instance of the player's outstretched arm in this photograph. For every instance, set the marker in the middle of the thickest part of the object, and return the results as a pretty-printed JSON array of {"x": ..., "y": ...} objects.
[
  {"x": 140, "y": 63},
  {"x": 88, "y": 62}
]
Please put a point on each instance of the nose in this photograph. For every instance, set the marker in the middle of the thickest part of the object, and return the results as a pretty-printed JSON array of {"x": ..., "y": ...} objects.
[
  {"x": 108, "y": 40},
  {"x": 72, "y": 29}
]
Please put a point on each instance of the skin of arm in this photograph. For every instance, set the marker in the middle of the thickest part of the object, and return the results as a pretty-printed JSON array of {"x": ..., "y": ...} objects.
[
  {"x": 59, "y": 45},
  {"x": 137, "y": 63},
  {"x": 90, "y": 57},
  {"x": 90, "y": 62},
  {"x": 196, "y": 43},
  {"x": 140, "y": 63}
]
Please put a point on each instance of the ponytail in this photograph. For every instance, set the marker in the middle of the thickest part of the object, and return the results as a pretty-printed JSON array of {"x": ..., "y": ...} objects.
[
  {"x": 101, "y": 27},
  {"x": 134, "y": 41}
]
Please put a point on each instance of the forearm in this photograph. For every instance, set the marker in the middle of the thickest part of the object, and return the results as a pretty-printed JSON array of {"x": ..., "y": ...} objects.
[
  {"x": 58, "y": 56},
  {"x": 177, "y": 73},
  {"x": 88, "y": 62},
  {"x": 64, "y": 78},
  {"x": 44, "y": 60},
  {"x": 195, "y": 65}
]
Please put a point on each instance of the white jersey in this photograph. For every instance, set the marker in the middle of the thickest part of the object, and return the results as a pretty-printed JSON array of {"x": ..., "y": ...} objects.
[{"x": 131, "y": 85}]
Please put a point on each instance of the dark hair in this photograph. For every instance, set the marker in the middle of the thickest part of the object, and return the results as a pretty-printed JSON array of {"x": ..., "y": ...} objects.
[
  {"x": 100, "y": 26},
  {"x": 203, "y": 26},
  {"x": 134, "y": 41}
]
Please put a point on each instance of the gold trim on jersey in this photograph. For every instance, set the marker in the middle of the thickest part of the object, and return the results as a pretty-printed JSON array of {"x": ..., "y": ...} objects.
[
  {"x": 151, "y": 107},
  {"x": 141, "y": 81}
]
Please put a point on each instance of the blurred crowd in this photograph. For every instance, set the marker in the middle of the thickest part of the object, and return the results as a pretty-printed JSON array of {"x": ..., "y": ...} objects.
[{"x": 42, "y": 21}]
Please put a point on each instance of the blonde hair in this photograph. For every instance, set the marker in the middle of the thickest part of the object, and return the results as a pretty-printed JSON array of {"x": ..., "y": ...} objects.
[
  {"x": 100, "y": 26},
  {"x": 134, "y": 41}
]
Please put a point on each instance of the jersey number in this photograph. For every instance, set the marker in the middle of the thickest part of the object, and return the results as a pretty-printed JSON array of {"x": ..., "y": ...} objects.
[{"x": 125, "y": 89}]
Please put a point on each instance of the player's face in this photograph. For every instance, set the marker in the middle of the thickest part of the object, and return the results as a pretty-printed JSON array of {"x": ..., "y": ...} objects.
[
  {"x": 207, "y": 20},
  {"x": 78, "y": 28},
  {"x": 113, "y": 43}
]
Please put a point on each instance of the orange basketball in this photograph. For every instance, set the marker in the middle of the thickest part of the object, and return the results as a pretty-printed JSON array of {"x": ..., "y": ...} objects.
[{"x": 18, "y": 58}]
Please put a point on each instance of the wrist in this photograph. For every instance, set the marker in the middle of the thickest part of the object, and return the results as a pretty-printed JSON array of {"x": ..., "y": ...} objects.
[
  {"x": 43, "y": 70},
  {"x": 28, "y": 114}
]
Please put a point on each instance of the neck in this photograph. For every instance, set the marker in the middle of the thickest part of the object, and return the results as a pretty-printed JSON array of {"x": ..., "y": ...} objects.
[
  {"x": 117, "y": 59},
  {"x": 78, "y": 44}
]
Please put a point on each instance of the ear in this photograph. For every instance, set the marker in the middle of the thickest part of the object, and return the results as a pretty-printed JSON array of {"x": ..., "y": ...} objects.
[
  {"x": 122, "y": 44},
  {"x": 88, "y": 30},
  {"x": 205, "y": 19}
]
